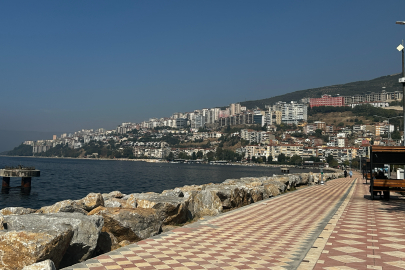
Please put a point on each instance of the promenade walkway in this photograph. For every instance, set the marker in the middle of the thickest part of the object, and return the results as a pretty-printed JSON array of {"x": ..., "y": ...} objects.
[{"x": 333, "y": 226}]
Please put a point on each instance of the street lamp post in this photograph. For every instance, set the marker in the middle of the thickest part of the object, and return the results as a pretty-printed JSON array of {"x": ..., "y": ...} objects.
[
  {"x": 388, "y": 118},
  {"x": 402, "y": 80}
]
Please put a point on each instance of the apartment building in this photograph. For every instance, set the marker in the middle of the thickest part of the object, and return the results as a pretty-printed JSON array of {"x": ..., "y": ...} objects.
[
  {"x": 327, "y": 100},
  {"x": 291, "y": 113}
]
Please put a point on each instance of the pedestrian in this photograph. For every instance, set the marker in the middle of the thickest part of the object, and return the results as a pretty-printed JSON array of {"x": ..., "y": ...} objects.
[
  {"x": 345, "y": 173},
  {"x": 351, "y": 174}
]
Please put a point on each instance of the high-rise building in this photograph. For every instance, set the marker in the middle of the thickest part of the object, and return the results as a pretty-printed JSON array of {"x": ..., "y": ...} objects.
[{"x": 291, "y": 113}]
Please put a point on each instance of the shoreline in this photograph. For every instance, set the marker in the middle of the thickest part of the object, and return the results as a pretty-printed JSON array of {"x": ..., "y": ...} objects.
[{"x": 164, "y": 161}]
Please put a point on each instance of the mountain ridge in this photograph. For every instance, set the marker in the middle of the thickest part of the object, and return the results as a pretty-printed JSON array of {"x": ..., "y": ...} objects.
[{"x": 390, "y": 82}]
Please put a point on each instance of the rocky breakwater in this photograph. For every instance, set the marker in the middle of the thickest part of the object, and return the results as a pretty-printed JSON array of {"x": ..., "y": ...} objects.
[{"x": 71, "y": 231}]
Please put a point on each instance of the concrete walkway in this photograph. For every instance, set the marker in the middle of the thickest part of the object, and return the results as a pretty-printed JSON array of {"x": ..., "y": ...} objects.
[{"x": 334, "y": 226}]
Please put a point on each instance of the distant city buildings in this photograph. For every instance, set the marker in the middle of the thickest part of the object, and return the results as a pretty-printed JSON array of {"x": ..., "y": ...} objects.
[{"x": 267, "y": 140}]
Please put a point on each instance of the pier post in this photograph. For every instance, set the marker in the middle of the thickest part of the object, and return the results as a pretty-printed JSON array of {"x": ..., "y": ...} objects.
[
  {"x": 6, "y": 182},
  {"x": 26, "y": 182}
]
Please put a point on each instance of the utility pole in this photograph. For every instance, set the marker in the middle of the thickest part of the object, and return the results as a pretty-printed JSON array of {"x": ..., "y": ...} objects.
[{"x": 402, "y": 80}]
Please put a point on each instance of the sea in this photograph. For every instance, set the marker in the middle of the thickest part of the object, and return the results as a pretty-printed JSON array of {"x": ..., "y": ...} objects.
[{"x": 63, "y": 179}]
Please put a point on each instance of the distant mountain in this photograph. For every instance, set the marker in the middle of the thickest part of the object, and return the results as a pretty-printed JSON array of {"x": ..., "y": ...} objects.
[{"x": 390, "y": 83}]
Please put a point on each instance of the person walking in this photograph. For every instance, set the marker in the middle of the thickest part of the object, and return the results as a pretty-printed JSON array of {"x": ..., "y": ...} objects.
[
  {"x": 345, "y": 173},
  {"x": 351, "y": 174}
]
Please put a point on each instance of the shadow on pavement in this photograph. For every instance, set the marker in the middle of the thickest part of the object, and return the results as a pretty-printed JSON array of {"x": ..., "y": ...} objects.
[{"x": 394, "y": 205}]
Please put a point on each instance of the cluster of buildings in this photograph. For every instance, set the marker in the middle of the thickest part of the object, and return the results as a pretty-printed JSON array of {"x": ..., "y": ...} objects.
[
  {"x": 148, "y": 139},
  {"x": 381, "y": 99},
  {"x": 281, "y": 112}
]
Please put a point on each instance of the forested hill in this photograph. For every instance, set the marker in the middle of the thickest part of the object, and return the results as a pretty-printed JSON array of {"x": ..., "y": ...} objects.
[{"x": 349, "y": 89}]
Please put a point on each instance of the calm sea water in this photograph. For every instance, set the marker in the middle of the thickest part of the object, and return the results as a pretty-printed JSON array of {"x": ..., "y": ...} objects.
[{"x": 63, "y": 179}]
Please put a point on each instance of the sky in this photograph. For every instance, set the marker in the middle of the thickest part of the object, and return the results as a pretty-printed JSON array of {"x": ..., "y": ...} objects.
[{"x": 72, "y": 65}]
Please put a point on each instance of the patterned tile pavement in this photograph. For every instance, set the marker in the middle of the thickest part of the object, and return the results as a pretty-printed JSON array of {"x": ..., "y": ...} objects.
[
  {"x": 275, "y": 234},
  {"x": 366, "y": 234}
]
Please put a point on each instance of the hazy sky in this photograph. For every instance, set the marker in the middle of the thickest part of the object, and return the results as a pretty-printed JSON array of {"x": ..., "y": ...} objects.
[{"x": 69, "y": 65}]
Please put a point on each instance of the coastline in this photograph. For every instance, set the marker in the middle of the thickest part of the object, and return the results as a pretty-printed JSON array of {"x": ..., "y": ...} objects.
[
  {"x": 164, "y": 161},
  {"x": 114, "y": 220}
]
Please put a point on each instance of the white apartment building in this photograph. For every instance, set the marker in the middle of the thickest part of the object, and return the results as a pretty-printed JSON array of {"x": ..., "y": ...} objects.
[
  {"x": 291, "y": 113},
  {"x": 254, "y": 136}
]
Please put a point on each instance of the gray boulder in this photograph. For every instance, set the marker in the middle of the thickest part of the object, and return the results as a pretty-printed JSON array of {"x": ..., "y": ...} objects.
[
  {"x": 68, "y": 206},
  {"x": 86, "y": 230},
  {"x": 129, "y": 224},
  {"x": 91, "y": 201},
  {"x": 23, "y": 247},
  {"x": 113, "y": 202},
  {"x": 44, "y": 265},
  {"x": 172, "y": 210},
  {"x": 16, "y": 211},
  {"x": 204, "y": 203}
]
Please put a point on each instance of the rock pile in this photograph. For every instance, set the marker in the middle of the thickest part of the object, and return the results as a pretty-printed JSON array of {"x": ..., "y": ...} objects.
[{"x": 70, "y": 231}]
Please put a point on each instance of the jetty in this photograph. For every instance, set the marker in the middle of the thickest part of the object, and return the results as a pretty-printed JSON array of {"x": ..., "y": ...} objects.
[{"x": 26, "y": 173}]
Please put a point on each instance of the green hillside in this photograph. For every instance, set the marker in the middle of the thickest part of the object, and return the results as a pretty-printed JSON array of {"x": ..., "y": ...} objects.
[{"x": 349, "y": 89}]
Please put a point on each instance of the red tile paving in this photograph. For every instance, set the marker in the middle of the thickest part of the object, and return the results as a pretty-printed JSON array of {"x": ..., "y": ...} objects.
[{"x": 334, "y": 226}]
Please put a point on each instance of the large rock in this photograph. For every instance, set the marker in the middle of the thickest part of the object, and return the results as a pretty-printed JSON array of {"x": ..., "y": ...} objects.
[
  {"x": 2, "y": 224},
  {"x": 91, "y": 201},
  {"x": 204, "y": 203},
  {"x": 129, "y": 224},
  {"x": 113, "y": 194},
  {"x": 86, "y": 230},
  {"x": 113, "y": 202},
  {"x": 171, "y": 209},
  {"x": 16, "y": 211},
  {"x": 44, "y": 265},
  {"x": 271, "y": 190},
  {"x": 19, "y": 248},
  {"x": 83, "y": 206},
  {"x": 106, "y": 242},
  {"x": 131, "y": 201},
  {"x": 68, "y": 206}
]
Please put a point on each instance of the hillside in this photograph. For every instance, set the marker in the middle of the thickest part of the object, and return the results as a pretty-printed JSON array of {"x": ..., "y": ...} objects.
[{"x": 348, "y": 89}]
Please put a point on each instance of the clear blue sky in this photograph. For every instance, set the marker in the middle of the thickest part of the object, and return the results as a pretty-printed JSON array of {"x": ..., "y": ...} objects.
[{"x": 68, "y": 65}]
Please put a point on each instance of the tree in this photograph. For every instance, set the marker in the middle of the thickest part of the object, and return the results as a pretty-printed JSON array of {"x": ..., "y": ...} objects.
[
  {"x": 318, "y": 133},
  {"x": 281, "y": 158},
  {"x": 210, "y": 156},
  {"x": 333, "y": 163},
  {"x": 314, "y": 159},
  {"x": 296, "y": 160},
  {"x": 128, "y": 153},
  {"x": 21, "y": 150},
  {"x": 200, "y": 154},
  {"x": 355, "y": 162},
  {"x": 269, "y": 159},
  {"x": 170, "y": 156},
  {"x": 183, "y": 155},
  {"x": 396, "y": 135}
]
